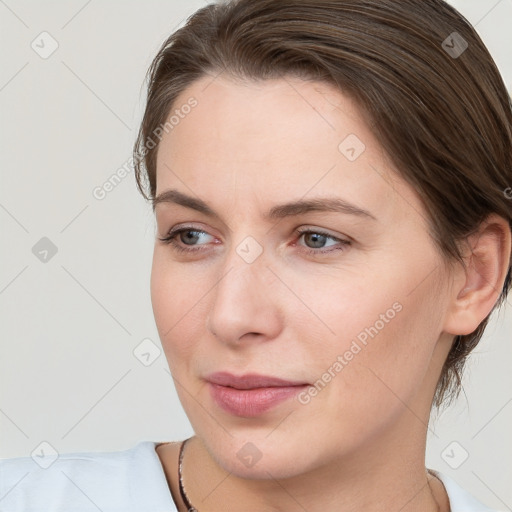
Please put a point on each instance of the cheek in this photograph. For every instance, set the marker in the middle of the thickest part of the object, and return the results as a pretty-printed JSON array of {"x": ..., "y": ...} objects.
[
  {"x": 379, "y": 356},
  {"x": 392, "y": 372},
  {"x": 162, "y": 298},
  {"x": 176, "y": 304},
  {"x": 181, "y": 304}
]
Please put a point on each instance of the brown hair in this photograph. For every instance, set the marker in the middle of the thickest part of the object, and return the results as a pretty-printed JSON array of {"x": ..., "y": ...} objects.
[{"x": 442, "y": 114}]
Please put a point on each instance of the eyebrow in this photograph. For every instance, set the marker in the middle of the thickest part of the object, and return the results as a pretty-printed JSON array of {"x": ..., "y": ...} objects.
[{"x": 327, "y": 204}]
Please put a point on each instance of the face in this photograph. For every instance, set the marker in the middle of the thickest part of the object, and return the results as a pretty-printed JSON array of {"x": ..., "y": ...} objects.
[{"x": 347, "y": 301}]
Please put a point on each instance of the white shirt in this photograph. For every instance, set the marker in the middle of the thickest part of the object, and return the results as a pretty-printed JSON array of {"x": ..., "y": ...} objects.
[{"x": 131, "y": 480}]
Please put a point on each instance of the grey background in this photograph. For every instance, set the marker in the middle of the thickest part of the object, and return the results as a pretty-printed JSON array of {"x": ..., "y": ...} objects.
[{"x": 69, "y": 326}]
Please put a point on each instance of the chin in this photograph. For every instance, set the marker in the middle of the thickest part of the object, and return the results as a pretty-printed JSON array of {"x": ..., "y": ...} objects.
[{"x": 258, "y": 458}]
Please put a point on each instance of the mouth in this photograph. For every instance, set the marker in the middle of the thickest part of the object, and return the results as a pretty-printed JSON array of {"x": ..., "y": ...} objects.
[
  {"x": 250, "y": 381},
  {"x": 250, "y": 395}
]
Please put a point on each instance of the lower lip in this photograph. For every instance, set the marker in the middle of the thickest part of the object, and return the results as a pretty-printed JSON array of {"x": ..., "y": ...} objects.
[{"x": 251, "y": 402}]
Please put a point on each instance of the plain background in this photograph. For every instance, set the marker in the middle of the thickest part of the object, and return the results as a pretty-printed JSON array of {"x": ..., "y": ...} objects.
[{"x": 69, "y": 326}]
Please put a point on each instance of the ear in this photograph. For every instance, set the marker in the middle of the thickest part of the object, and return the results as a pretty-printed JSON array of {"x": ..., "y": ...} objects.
[{"x": 477, "y": 288}]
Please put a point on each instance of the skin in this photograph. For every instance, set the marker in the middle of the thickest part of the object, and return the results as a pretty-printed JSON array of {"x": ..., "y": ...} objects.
[{"x": 359, "y": 444}]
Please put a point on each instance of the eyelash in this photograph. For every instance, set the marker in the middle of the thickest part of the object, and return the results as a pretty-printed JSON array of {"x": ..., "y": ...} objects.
[{"x": 170, "y": 240}]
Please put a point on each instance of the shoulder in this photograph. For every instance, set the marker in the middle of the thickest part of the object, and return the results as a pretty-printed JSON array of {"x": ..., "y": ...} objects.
[
  {"x": 127, "y": 480},
  {"x": 460, "y": 499}
]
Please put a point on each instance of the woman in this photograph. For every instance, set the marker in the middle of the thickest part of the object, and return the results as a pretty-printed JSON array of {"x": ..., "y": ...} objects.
[{"x": 329, "y": 180}]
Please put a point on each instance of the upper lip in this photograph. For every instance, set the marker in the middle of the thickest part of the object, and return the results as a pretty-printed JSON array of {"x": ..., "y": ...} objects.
[{"x": 250, "y": 380}]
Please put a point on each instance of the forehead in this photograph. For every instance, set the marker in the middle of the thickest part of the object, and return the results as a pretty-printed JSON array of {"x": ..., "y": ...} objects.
[
  {"x": 273, "y": 137},
  {"x": 287, "y": 107}
]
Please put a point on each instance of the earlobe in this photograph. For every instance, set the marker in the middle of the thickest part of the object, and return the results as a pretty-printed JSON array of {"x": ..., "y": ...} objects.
[{"x": 480, "y": 284}]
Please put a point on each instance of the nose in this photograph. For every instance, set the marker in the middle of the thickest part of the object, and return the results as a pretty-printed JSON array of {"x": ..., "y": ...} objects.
[{"x": 245, "y": 303}]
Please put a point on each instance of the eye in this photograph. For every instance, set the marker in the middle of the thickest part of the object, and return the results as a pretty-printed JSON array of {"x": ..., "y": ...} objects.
[
  {"x": 188, "y": 236},
  {"x": 317, "y": 239}
]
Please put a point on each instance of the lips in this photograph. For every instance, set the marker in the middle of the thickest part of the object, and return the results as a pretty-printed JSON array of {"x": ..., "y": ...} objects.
[
  {"x": 252, "y": 394},
  {"x": 250, "y": 381}
]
